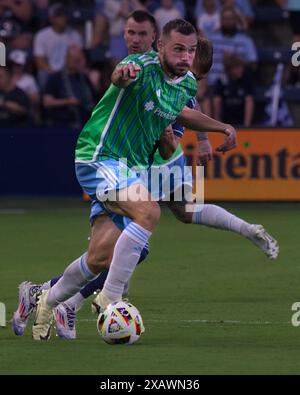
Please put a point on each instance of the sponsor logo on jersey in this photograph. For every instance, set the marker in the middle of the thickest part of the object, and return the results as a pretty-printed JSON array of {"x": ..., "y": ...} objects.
[{"x": 149, "y": 106}]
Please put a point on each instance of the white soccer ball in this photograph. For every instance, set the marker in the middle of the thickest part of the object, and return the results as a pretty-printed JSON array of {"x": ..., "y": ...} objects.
[{"x": 120, "y": 323}]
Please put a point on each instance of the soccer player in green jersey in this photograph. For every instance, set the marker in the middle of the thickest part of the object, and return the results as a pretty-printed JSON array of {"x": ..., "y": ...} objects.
[
  {"x": 148, "y": 93},
  {"x": 139, "y": 36}
]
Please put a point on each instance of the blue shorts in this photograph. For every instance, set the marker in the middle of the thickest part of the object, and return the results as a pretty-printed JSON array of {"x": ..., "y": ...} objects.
[
  {"x": 98, "y": 179},
  {"x": 169, "y": 178}
]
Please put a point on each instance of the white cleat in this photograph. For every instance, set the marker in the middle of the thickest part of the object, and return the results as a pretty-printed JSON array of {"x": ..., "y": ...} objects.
[
  {"x": 41, "y": 329},
  {"x": 263, "y": 240},
  {"x": 65, "y": 317},
  {"x": 27, "y": 303},
  {"x": 100, "y": 303}
]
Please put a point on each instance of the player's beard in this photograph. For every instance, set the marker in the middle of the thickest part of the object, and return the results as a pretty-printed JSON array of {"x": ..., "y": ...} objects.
[{"x": 174, "y": 70}]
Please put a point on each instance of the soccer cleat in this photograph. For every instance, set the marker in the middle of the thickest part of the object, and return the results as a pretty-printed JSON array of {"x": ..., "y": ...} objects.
[
  {"x": 41, "y": 329},
  {"x": 263, "y": 240},
  {"x": 100, "y": 303},
  {"x": 65, "y": 317},
  {"x": 27, "y": 303},
  {"x": 95, "y": 307}
]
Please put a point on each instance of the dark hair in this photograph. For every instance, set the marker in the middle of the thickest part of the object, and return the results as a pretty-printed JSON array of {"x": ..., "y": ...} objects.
[
  {"x": 143, "y": 16},
  {"x": 204, "y": 55},
  {"x": 180, "y": 26}
]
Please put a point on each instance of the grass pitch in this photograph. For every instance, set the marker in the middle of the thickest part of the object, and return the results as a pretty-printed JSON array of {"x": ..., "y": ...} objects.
[{"x": 212, "y": 303}]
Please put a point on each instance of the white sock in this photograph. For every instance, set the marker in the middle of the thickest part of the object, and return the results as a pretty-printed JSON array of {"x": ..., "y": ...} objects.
[
  {"x": 75, "y": 277},
  {"x": 216, "y": 217},
  {"x": 126, "y": 290},
  {"x": 75, "y": 302},
  {"x": 126, "y": 255},
  {"x": 46, "y": 285}
]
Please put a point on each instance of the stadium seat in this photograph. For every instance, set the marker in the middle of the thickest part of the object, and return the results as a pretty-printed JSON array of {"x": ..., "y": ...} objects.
[
  {"x": 98, "y": 55},
  {"x": 291, "y": 94},
  {"x": 270, "y": 14},
  {"x": 260, "y": 94},
  {"x": 275, "y": 55}
]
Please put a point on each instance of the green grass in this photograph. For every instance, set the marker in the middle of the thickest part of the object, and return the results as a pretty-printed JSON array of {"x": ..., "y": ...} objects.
[{"x": 211, "y": 302}]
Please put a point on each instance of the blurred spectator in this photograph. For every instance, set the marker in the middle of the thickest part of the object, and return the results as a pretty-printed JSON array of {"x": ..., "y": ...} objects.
[
  {"x": 41, "y": 3},
  {"x": 243, "y": 8},
  {"x": 153, "y": 5},
  {"x": 209, "y": 21},
  {"x": 293, "y": 7},
  {"x": 233, "y": 101},
  {"x": 230, "y": 41},
  {"x": 242, "y": 21},
  {"x": 16, "y": 23},
  {"x": 116, "y": 12},
  {"x": 14, "y": 103},
  {"x": 69, "y": 96},
  {"x": 292, "y": 74},
  {"x": 165, "y": 13},
  {"x": 100, "y": 48},
  {"x": 51, "y": 43},
  {"x": 101, "y": 27},
  {"x": 25, "y": 81}
]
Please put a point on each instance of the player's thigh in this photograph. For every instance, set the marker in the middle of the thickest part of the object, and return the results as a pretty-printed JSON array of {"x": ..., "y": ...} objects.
[
  {"x": 135, "y": 202},
  {"x": 104, "y": 235}
]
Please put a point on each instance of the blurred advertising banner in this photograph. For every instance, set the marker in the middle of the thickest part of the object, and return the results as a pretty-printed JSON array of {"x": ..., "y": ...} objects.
[{"x": 264, "y": 166}]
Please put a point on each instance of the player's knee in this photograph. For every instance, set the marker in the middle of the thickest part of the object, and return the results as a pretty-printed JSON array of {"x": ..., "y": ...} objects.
[
  {"x": 98, "y": 262},
  {"x": 182, "y": 215},
  {"x": 148, "y": 214}
]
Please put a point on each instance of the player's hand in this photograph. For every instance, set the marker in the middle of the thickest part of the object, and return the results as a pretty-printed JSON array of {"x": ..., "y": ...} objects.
[
  {"x": 230, "y": 141},
  {"x": 204, "y": 152},
  {"x": 128, "y": 71}
]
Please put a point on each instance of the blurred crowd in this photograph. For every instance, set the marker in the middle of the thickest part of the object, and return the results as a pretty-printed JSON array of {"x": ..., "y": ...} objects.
[{"x": 59, "y": 65}]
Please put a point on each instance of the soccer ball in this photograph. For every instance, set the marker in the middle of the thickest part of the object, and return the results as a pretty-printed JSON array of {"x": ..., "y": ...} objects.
[{"x": 120, "y": 323}]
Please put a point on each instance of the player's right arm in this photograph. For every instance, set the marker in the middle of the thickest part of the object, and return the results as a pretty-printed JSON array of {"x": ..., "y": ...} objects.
[{"x": 125, "y": 74}]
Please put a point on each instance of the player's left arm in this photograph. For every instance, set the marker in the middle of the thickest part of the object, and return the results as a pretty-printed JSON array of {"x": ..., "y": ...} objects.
[
  {"x": 198, "y": 121},
  {"x": 204, "y": 146}
]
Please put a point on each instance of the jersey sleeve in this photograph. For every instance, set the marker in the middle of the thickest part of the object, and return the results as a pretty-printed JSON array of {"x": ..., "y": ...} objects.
[{"x": 179, "y": 130}]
